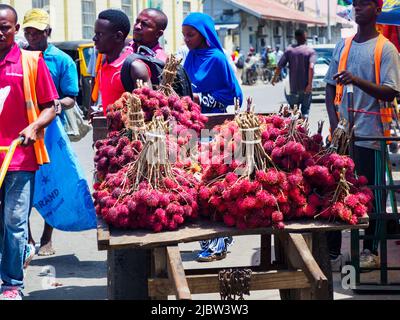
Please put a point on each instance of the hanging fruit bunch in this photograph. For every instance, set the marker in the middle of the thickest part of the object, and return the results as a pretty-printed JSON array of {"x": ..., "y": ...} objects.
[
  {"x": 121, "y": 146},
  {"x": 338, "y": 192},
  {"x": 149, "y": 193},
  {"x": 164, "y": 101},
  {"x": 247, "y": 191},
  {"x": 288, "y": 142},
  {"x": 292, "y": 177}
]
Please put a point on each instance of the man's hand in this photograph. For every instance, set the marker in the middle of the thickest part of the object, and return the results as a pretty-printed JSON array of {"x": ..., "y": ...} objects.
[
  {"x": 94, "y": 111},
  {"x": 308, "y": 89},
  {"x": 345, "y": 78},
  {"x": 58, "y": 106},
  {"x": 276, "y": 76},
  {"x": 31, "y": 134},
  {"x": 274, "y": 79},
  {"x": 35, "y": 130}
]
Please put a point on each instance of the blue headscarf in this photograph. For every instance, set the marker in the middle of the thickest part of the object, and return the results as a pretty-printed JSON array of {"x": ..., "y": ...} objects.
[{"x": 209, "y": 69}]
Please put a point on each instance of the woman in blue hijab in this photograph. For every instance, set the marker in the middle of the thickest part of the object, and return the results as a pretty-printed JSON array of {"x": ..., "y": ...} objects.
[
  {"x": 215, "y": 87},
  {"x": 213, "y": 79}
]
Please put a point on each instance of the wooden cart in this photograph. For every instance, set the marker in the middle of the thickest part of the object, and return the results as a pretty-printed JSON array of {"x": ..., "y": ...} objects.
[{"x": 143, "y": 265}]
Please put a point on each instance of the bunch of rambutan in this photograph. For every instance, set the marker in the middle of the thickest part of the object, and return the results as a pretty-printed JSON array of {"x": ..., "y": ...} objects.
[
  {"x": 113, "y": 153},
  {"x": 147, "y": 208},
  {"x": 185, "y": 112},
  {"x": 148, "y": 192},
  {"x": 243, "y": 202},
  {"x": 288, "y": 143},
  {"x": 116, "y": 116},
  {"x": 303, "y": 183},
  {"x": 349, "y": 207}
]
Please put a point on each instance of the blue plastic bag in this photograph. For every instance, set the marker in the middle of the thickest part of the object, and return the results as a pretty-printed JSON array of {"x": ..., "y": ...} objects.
[{"x": 62, "y": 195}]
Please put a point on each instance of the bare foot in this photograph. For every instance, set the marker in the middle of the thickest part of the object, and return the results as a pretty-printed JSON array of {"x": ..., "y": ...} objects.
[{"x": 46, "y": 249}]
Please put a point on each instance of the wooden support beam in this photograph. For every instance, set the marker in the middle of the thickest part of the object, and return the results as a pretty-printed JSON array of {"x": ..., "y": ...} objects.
[
  {"x": 159, "y": 267},
  {"x": 300, "y": 256},
  {"x": 265, "y": 252},
  {"x": 176, "y": 273},
  {"x": 210, "y": 284}
]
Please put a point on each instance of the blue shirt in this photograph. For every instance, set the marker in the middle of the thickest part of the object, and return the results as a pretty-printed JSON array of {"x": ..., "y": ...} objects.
[{"x": 63, "y": 71}]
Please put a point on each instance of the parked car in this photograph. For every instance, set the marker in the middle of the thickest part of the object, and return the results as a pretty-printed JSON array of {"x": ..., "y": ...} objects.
[
  {"x": 80, "y": 52},
  {"x": 324, "y": 56}
]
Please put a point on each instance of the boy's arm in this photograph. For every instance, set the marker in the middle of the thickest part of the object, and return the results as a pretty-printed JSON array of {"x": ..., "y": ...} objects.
[
  {"x": 139, "y": 71},
  {"x": 380, "y": 92}
]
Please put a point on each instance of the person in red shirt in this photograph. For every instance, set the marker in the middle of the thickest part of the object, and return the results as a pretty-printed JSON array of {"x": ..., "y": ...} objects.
[
  {"x": 148, "y": 29},
  {"x": 111, "y": 29},
  {"x": 16, "y": 193}
]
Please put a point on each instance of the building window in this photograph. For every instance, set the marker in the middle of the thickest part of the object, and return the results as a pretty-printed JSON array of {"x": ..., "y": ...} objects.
[
  {"x": 156, "y": 4},
  {"x": 126, "y": 6},
  {"x": 41, "y": 4},
  {"x": 187, "y": 8},
  {"x": 88, "y": 18}
]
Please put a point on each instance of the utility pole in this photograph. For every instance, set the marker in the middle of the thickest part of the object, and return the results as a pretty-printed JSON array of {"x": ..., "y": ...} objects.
[{"x": 329, "y": 22}]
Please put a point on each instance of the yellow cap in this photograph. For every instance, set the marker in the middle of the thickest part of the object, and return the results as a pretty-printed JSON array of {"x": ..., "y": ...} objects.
[{"x": 36, "y": 18}]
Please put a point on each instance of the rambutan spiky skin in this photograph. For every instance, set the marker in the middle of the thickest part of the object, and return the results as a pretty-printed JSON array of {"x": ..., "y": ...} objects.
[
  {"x": 277, "y": 216},
  {"x": 351, "y": 201}
]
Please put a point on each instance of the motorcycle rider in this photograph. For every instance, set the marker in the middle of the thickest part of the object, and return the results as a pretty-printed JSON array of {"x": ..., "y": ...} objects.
[{"x": 249, "y": 66}]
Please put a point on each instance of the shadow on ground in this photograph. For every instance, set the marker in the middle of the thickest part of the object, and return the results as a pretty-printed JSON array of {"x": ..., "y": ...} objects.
[
  {"x": 69, "y": 266},
  {"x": 69, "y": 293}
]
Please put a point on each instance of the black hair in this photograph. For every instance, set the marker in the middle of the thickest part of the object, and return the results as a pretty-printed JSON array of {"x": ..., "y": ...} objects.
[
  {"x": 299, "y": 33},
  {"x": 162, "y": 19},
  {"x": 118, "y": 19},
  {"x": 8, "y": 7}
]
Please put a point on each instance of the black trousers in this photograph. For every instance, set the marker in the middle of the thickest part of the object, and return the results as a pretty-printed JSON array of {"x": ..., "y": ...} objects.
[{"x": 364, "y": 160}]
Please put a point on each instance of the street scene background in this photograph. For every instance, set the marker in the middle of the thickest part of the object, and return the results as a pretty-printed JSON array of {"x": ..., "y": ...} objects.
[{"x": 79, "y": 271}]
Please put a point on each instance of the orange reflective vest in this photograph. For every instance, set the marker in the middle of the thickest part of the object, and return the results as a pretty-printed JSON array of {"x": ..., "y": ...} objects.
[
  {"x": 385, "y": 112},
  {"x": 30, "y": 61},
  {"x": 96, "y": 86}
]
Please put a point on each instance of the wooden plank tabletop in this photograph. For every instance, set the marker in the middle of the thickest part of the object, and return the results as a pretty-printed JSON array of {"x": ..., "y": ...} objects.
[{"x": 111, "y": 238}]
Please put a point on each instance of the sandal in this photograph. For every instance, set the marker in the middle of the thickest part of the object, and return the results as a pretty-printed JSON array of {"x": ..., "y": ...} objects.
[{"x": 207, "y": 256}]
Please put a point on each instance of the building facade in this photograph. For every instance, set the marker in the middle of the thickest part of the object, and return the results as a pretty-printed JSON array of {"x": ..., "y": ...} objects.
[
  {"x": 257, "y": 24},
  {"x": 74, "y": 19}
]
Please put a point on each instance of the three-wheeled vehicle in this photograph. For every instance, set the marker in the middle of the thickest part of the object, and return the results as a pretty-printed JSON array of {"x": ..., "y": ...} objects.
[{"x": 80, "y": 51}]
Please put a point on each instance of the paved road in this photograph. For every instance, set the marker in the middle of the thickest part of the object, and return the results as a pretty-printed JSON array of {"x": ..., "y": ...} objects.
[{"x": 78, "y": 270}]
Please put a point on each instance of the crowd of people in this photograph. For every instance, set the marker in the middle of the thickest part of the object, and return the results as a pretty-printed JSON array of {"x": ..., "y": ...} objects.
[{"x": 55, "y": 88}]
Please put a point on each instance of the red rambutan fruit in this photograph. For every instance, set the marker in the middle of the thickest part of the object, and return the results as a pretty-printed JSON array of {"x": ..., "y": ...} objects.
[
  {"x": 351, "y": 200},
  {"x": 229, "y": 220},
  {"x": 277, "y": 216}
]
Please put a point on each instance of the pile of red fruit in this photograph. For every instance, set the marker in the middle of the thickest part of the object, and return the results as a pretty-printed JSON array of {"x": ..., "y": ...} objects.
[
  {"x": 164, "y": 208},
  {"x": 304, "y": 181}
]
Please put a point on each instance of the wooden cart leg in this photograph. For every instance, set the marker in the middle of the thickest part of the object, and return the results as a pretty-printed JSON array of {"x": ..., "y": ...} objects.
[
  {"x": 281, "y": 260},
  {"x": 282, "y": 253},
  {"x": 295, "y": 251},
  {"x": 159, "y": 267},
  {"x": 265, "y": 252},
  {"x": 321, "y": 255},
  {"x": 128, "y": 270}
]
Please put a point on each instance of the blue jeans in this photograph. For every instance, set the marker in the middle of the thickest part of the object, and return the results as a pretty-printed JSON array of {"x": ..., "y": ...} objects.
[
  {"x": 16, "y": 199},
  {"x": 300, "y": 98}
]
